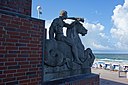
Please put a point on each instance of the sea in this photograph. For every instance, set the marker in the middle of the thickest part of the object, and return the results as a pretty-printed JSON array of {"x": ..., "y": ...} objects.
[{"x": 118, "y": 58}]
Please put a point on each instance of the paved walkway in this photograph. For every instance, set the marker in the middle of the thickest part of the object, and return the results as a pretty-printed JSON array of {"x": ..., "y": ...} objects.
[{"x": 108, "y": 77}]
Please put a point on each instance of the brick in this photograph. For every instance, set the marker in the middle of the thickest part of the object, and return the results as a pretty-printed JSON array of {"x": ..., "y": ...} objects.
[
  {"x": 3, "y": 59},
  {"x": 25, "y": 52},
  {"x": 24, "y": 48},
  {"x": 33, "y": 83},
  {"x": 2, "y": 55},
  {"x": 27, "y": 24},
  {"x": 12, "y": 48},
  {"x": 14, "y": 67},
  {"x": 9, "y": 79},
  {"x": 35, "y": 35},
  {"x": 32, "y": 45},
  {"x": 10, "y": 63},
  {"x": 1, "y": 63},
  {"x": 32, "y": 59},
  {"x": 5, "y": 36},
  {"x": 1, "y": 72},
  {"x": 3, "y": 67},
  {"x": 25, "y": 20},
  {"x": 9, "y": 71},
  {"x": 33, "y": 69},
  {"x": 33, "y": 79},
  {"x": 20, "y": 59},
  {"x": 11, "y": 59},
  {"x": 22, "y": 70},
  {"x": 3, "y": 51},
  {"x": 26, "y": 66},
  {"x": 39, "y": 78},
  {"x": 27, "y": 38},
  {"x": 35, "y": 22},
  {"x": 11, "y": 40},
  {"x": 31, "y": 73},
  {"x": 2, "y": 39},
  {"x": 25, "y": 27},
  {"x": 24, "y": 41},
  {"x": 9, "y": 75},
  {"x": 23, "y": 63},
  {"x": 2, "y": 83},
  {"x": 17, "y": 18},
  {"x": 1, "y": 27},
  {"x": 21, "y": 44},
  {"x": 35, "y": 48},
  {"x": 19, "y": 74},
  {"x": 13, "y": 33},
  {"x": 24, "y": 34},
  {"x": 15, "y": 37},
  {"x": 2, "y": 75},
  {"x": 10, "y": 55},
  {"x": 39, "y": 72},
  {"x": 16, "y": 22},
  {"x": 5, "y": 20},
  {"x": 34, "y": 62},
  {"x": 7, "y": 17},
  {"x": 8, "y": 44},
  {"x": 12, "y": 83},
  {"x": 22, "y": 78},
  {"x": 2, "y": 32},
  {"x": 25, "y": 81},
  {"x": 34, "y": 55},
  {"x": 11, "y": 28},
  {"x": 35, "y": 42},
  {"x": 35, "y": 39},
  {"x": 30, "y": 31},
  {"x": 13, "y": 52},
  {"x": 24, "y": 55},
  {"x": 3, "y": 23}
]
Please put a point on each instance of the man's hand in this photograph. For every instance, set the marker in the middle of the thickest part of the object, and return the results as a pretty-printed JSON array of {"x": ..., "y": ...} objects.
[{"x": 80, "y": 19}]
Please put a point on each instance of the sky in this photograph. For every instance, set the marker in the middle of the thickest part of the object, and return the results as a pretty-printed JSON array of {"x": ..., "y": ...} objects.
[{"x": 105, "y": 20}]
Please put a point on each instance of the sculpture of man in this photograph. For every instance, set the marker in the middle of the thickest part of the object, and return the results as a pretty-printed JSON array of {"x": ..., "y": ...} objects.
[{"x": 57, "y": 29}]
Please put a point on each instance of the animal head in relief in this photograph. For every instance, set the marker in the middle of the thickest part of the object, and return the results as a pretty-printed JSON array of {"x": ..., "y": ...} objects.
[{"x": 80, "y": 29}]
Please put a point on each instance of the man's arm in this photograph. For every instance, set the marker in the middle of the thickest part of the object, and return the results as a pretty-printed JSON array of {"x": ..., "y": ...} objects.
[
  {"x": 74, "y": 18},
  {"x": 66, "y": 25}
]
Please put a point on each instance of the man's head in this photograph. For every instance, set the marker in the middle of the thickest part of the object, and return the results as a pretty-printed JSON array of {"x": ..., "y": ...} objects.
[{"x": 63, "y": 14}]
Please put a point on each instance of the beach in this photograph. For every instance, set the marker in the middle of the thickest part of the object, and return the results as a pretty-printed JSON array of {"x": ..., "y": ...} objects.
[{"x": 108, "y": 77}]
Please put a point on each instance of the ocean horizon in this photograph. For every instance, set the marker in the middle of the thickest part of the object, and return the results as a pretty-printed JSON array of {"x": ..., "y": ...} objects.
[{"x": 109, "y": 57}]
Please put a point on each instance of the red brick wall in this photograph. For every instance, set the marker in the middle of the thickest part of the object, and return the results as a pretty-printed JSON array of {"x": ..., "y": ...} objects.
[
  {"x": 20, "y": 49},
  {"x": 18, "y": 6}
]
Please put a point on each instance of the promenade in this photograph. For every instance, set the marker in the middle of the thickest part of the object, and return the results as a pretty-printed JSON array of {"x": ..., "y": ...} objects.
[{"x": 108, "y": 77}]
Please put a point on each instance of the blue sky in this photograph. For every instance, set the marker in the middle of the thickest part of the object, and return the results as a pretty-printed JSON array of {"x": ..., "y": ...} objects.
[{"x": 103, "y": 18}]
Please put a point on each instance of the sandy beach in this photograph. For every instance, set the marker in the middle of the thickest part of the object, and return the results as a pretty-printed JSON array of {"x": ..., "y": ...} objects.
[{"x": 108, "y": 77}]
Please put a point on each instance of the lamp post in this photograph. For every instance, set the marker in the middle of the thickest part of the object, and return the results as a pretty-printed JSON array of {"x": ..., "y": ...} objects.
[{"x": 39, "y": 10}]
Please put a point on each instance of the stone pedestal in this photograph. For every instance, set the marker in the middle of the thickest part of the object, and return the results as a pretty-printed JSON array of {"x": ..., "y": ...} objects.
[{"x": 83, "y": 79}]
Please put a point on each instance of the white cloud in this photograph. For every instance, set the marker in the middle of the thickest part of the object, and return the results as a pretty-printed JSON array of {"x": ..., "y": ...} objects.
[
  {"x": 119, "y": 30},
  {"x": 101, "y": 47},
  {"x": 96, "y": 38},
  {"x": 47, "y": 25}
]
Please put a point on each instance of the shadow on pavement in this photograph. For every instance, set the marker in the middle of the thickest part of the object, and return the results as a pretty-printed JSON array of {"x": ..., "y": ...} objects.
[{"x": 109, "y": 82}]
